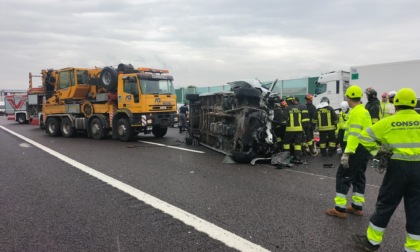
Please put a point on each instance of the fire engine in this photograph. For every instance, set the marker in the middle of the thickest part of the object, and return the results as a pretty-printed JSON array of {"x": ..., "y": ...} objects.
[{"x": 25, "y": 108}]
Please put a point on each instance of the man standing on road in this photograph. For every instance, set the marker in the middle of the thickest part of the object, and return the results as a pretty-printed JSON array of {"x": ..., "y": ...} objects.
[
  {"x": 351, "y": 172},
  {"x": 401, "y": 135},
  {"x": 183, "y": 110},
  {"x": 294, "y": 131},
  {"x": 390, "y": 108},
  {"x": 309, "y": 128},
  {"x": 326, "y": 120},
  {"x": 342, "y": 122},
  {"x": 373, "y": 105}
]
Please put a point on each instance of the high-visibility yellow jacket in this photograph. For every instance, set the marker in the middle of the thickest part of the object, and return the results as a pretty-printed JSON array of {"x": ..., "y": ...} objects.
[
  {"x": 399, "y": 133},
  {"x": 387, "y": 109},
  {"x": 342, "y": 119},
  {"x": 359, "y": 119}
]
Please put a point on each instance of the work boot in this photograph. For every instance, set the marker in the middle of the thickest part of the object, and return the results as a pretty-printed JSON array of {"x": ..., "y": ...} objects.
[
  {"x": 323, "y": 152},
  {"x": 331, "y": 151},
  {"x": 363, "y": 242},
  {"x": 354, "y": 211},
  {"x": 335, "y": 212}
]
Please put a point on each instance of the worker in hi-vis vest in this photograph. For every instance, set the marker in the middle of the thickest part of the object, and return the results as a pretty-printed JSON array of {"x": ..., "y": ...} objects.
[{"x": 400, "y": 136}]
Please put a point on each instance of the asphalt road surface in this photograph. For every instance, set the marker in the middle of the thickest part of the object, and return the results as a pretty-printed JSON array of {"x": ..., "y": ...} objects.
[{"x": 80, "y": 194}]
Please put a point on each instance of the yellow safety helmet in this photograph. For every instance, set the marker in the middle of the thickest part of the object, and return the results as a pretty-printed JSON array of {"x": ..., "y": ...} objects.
[
  {"x": 354, "y": 92},
  {"x": 405, "y": 97}
]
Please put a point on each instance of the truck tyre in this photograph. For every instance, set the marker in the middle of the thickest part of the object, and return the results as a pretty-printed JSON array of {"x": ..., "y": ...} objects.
[
  {"x": 159, "y": 131},
  {"x": 124, "y": 130},
  {"x": 21, "y": 118},
  {"x": 53, "y": 126},
  {"x": 67, "y": 129},
  {"x": 192, "y": 97},
  {"x": 97, "y": 129},
  {"x": 109, "y": 79}
]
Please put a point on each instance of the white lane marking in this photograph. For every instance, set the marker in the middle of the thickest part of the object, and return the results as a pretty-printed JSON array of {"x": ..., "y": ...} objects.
[
  {"x": 25, "y": 145},
  {"x": 173, "y": 147},
  {"x": 217, "y": 233},
  {"x": 322, "y": 176}
]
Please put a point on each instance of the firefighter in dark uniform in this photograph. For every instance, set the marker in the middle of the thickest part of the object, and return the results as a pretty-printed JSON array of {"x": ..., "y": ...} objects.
[
  {"x": 279, "y": 124},
  {"x": 373, "y": 105},
  {"x": 351, "y": 171},
  {"x": 326, "y": 120},
  {"x": 400, "y": 135},
  {"x": 310, "y": 127},
  {"x": 294, "y": 131}
]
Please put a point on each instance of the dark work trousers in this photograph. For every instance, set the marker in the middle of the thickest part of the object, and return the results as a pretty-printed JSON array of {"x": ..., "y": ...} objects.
[
  {"x": 325, "y": 137},
  {"x": 294, "y": 137},
  {"x": 340, "y": 138},
  {"x": 182, "y": 122},
  {"x": 309, "y": 133},
  {"x": 402, "y": 179},
  {"x": 354, "y": 175}
]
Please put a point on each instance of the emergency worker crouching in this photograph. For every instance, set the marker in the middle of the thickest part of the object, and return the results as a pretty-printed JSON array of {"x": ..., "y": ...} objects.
[
  {"x": 351, "y": 171},
  {"x": 326, "y": 120},
  {"x": 400, "y": 134}
]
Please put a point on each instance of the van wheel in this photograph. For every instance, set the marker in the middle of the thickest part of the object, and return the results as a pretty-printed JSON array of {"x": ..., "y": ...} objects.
[
  {"x": 66, "y": 128},
  {"x": 53, "y": 126},
  {"x": 124, "y": 130}
]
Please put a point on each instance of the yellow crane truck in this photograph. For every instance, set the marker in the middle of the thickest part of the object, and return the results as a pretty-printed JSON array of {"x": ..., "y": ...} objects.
[{"x": 123, "y": 100}]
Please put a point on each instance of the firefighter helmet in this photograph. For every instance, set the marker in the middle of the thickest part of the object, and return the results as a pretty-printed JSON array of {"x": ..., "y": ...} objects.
[
  {"x": 406, "y": 97},
  {"x": 370, "y": 92},
  {"x": 344, "y": 105},
  {"x": 384, "y": 95},
  {"x": 391, "y": 94},
  {"x": 325, "y": 99},
  {"x": 309, "y": 97},
  {"x": 354, "y": 92},
  {"x": 290, "y": 98}
]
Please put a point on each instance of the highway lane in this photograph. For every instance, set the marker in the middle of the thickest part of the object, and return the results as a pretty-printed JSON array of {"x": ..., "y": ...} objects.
[{"x": 280, "y": 210}]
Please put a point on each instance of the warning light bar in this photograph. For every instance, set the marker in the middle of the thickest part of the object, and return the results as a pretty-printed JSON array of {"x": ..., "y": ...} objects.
[{"x": 151, "y": 70}]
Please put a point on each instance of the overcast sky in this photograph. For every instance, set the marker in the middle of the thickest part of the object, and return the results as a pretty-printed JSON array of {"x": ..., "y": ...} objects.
[{"x": 205, "y": 43}]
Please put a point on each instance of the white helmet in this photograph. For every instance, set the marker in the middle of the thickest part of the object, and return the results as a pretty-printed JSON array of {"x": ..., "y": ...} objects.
[
  {"x": 344, "y": 106},
  {"x": 391, "y": 94}
]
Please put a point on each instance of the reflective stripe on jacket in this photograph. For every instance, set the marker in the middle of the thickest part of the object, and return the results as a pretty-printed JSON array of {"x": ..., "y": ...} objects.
[
  {"x": 325, "y": 118},
  {"x": 399, "y": 133},
  {"x": 294, "y": 120}
]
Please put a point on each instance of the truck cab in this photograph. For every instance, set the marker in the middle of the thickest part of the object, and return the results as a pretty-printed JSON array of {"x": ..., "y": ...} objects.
[{"x": 332, "y": 85}]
